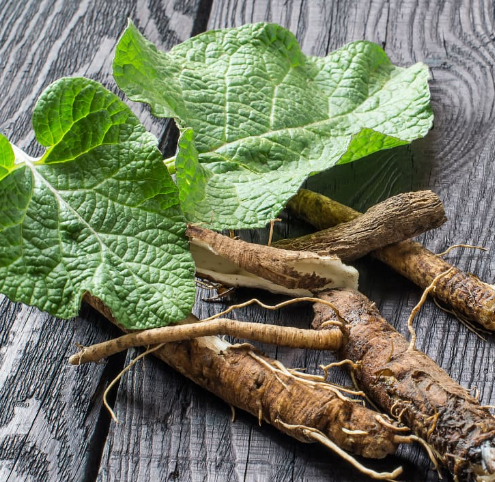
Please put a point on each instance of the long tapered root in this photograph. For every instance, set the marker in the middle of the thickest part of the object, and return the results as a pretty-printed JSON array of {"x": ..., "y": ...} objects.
[
  {"x": 243, "y": 381},
  {"x": 277, "y": 335},
  {"x": 233, "y": 262},
  {"x": 456, "y": 246},
  {"x": 465, "y": 294},
  {"x": 120, "y": 375},
  {"x": 395, "y": 219}
]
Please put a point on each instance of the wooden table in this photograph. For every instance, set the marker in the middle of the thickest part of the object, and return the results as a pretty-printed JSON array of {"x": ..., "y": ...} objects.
[{"x": 52, "y": 424}]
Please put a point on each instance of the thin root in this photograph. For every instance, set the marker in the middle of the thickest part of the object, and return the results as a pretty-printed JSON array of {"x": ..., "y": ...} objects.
[
  {"x": 455, "y": 457},
  {"x": 399, "y": 417},
  {"x": 354, "y": 432},
  {"x": 318, "y": 436},
  {"x": 449, "y": 249},
  {"x": 220, "y": 295},
  {"x": 305, "y": 378},
  {"x": 121, "y": 374},
  {"x": 379, "y": 418},
  {"x": 365, "y": 396},
  {"x": 319, "y": 381},
  {"x": 435, "y": 418},
  {"x": 280, "y": 366},
  {"x": 476, "y": 393},
  {"x": 222, "y": 291},
  {"x": 232, "y": 411},
  {"x": 391, "y": 355},
  {"x": 429, "y": 450},
  {"x": 330, "y": 323},
  {"x": 316, "y": 378},
  {"x": 270, "y": 367},
  {"x": 350, "y": 391},
  {"x": 430, "y": 287},
  {"x": 392, "y": 408},
  {"x": 272, "y": 224},
  {"x": 326, "y": 368},
  {"x": 278, "y": 306}
]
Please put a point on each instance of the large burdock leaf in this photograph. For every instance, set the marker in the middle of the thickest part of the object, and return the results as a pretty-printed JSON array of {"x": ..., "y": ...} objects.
[
  {"x": 263, "y": 116},
  {"x": 97, "y": 213}
]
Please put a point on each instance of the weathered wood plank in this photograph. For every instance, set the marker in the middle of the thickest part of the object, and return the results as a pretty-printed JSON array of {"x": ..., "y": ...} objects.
[
  {"x": 50, "y": 415},
  {"x": 454, "y": 41},
  {"x": 52, "y": 426},
  {"x": 239, "y": 451},
  {"x": 170, "y": 429}
]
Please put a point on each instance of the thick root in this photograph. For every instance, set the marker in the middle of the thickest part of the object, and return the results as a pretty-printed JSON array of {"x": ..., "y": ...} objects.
[
  {"x": 463, "y": 293},
  {"x": 414, "y": 389},
  {"x": 239, "y": 375},
  {"x": 396, "y": 219},
  {"x": 242, "y": 381},
  {"x": 234, "y": 263},
  {"x": 466, "y": 294}
]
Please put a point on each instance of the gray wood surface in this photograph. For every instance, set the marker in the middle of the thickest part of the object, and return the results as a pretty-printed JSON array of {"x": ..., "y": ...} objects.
[{"x": 52, "y": 425}]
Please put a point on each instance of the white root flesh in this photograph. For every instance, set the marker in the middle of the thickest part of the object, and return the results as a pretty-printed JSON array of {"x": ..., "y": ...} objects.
[{"x": 296, "y": 273}]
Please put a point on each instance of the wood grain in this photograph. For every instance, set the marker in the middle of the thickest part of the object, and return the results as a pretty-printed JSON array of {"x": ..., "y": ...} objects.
[
  {"x": 51, "y": 415},
  {"x": 248, "y": 453},
  {"x": 52, "y": 426},
  {"x": 172, "y": 430}
]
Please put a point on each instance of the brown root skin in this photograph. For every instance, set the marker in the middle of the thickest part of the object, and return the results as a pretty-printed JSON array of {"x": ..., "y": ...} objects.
[
  {"x": 233, "y": 262},
  {"x": 396, "y": 219},
  {"x": 413, "y": 388},
  {"x": 242, "y": 381},
  {"x": 272, "y": 334},
  {"x": 274, "y": 395},
  {"x": 464, "y": 293}
]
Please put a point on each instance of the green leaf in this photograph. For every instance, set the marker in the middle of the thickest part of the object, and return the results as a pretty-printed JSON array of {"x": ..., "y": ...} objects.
[
  {"x": 98, "y": 213},
  {"x": 265, "y": 116},
  {"x": 7, "y": 157},
  {"x": 193, "y": 178}
]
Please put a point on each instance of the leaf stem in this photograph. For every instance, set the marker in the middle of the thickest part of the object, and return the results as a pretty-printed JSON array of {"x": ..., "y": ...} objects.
[{"x": 170, "y": 165}]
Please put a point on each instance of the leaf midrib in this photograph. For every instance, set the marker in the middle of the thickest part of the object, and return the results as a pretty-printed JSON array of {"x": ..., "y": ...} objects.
[
  {"x": 226, "y": 145},
  {"x": 104, "y": 249}
]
